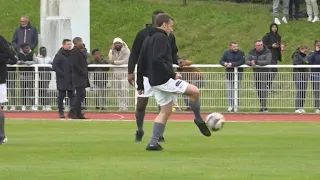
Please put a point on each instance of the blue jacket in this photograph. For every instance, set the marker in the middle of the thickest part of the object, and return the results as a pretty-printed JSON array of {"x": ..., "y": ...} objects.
[
  {"x": 19, "y": 36},
  {"x": 314, "y": 59}
]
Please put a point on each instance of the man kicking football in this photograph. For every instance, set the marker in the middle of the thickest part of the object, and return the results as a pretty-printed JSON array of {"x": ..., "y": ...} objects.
[
  {"x": 7, "y": 56},
  {"x": 156, "y": 59},
  {"x": 142, "y": 100}
]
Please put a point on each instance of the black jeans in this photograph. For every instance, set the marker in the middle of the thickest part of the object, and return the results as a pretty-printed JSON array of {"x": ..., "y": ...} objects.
[
  {"x": 45, "y": 78},
  {"x": 61, "y": 95},
  {"x": 77, "y": 103},
  {"x": 300, "y": 81},
  {"x": 261, "y": 82},
  {"x": 315, "y": 83},
  {"x": 296, "y": 8}
]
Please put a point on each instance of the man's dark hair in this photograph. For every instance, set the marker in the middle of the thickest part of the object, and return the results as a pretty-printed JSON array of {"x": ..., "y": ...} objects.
[
  {"x": 162, "y": 18},
  {"x": 23, "y": 45},
  {"x": 42, "y": 47},
  {"x": 76, "y": 40},
  {"x": 66, "y": 40},
  {"x": 154, "y": 14},
  {"x": 94, "y": 51}
]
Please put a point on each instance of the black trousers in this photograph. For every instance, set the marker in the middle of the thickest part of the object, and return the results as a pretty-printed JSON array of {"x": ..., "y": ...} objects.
[
  {"x": 27, "y": 92},
  {"x": 261, "y": 82},
  {"x": 45, "y": 78},
  {"x": 296, "y": 8},
  {"x": 79, "y": 97},
  {"x": 61, "y": 95}
]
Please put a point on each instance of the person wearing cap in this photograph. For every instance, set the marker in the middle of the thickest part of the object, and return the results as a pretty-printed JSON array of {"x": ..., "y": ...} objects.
[{"x": 119, "y": 55}]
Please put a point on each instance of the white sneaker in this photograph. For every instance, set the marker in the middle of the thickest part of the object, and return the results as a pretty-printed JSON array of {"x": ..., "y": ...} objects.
[
  {"x": 310, "y": 18},
  {"x": 5, "y": 108},
  {"x": 4, "y": 140},
  {"x": 277, "y": 21},
  {"x": 317, "y": 111},
  {"x": 230, "y": 109},
  {"x": 23, "y": 108},
  {"x": 13, "y": 108},
  {"x": 49, "y": 108},
  {"x": 284, "y": 19},
  {"x": 300, "y": 111},
  {"x": 34, "y": 108},
  {"x": 316, "y": 19}
]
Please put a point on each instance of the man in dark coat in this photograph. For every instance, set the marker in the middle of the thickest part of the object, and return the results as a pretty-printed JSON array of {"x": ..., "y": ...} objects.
[
  {"x": 80, "y": 80},
  {"x": 272, "y": 40},
  {"x": 62, "y": 66}
]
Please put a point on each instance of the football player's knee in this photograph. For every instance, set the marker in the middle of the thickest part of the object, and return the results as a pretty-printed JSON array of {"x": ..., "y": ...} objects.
[
  {"x": 142, "y": 103},
  {"x": 193, "y": 91}
]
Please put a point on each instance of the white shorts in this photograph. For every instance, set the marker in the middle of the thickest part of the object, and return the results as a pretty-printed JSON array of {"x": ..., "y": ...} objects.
[
  {"x": 3, "y": 93},
  {"x": 169, "y": 91},
  {"x": 147, "y": 88}
]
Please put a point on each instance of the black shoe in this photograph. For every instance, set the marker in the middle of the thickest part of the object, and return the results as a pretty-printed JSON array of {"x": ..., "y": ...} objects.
[
  {"x": 70, "y": 115},
  {"x": 139, "y": 135},
  {"x": 161, "y": 139},
  {"x": 203, "y": 128},
  {"x": 61, "y": 115},
  {"x": 82, "y": 117},
  {"x": 156, "y": 147}
]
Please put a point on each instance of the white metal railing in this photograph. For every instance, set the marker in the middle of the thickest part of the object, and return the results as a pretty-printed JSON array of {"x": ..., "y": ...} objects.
[{"x": 217, "y": 93}]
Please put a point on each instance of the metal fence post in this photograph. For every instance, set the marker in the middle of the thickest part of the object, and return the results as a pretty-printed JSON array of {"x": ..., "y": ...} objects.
[{"x": 36, "y": 86}]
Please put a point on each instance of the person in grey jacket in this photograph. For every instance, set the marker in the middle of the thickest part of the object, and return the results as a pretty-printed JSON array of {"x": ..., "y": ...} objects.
[
  {"x": 300, "y": 76},
  {"x": 260, "y": 56},
  {"x": 25, "y": 33}
]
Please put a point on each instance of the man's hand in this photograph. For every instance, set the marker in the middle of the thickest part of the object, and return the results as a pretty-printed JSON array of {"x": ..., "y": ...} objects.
[
  {"x": 275, "y": 45},
  {"x": 229, "y": 64},
  {"x": 131, "y": 79},
  {"x": 225, "y": 64},
  {"x": 20, "y": 62},
  {"x": 178, "y": 76},
  {"x": 181, "y": 63},
  {"x": 252, "y": 63},
  {"x": 140, "y": 92}
]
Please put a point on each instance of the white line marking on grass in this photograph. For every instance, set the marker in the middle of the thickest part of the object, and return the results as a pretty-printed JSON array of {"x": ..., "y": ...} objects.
[{"x": 122, "y": 120}]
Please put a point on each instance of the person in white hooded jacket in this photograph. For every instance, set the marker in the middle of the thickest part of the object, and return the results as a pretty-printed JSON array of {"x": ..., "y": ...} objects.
[
  {"x": 45, "y": 78},
  {"x": 119, "y": 55}
]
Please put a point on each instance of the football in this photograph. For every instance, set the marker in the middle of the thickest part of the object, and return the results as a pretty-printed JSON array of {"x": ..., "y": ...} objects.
[{"x": 215, "y": 121}]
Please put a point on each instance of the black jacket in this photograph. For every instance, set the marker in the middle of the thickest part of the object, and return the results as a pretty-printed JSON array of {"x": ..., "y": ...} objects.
[
  {"x": 314, "y": 59},
  {"x": 271, "y": 38},
  {"x": 62, "y": 66},
  {"x": 7, "y": 56},
  {"x": 299, "y": 58},
  {"x": 79, "y": 66},
  {"x": 155, "y": 59},
  {"x": 137, "y": 44}
]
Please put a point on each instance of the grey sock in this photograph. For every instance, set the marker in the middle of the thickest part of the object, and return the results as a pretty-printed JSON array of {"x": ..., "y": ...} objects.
[
  {"x": 158, "y": 129},
  {"x": 139, "y": 119},
  {"x": 195, "y": 106},
  {"x": 2, "y": 135}
]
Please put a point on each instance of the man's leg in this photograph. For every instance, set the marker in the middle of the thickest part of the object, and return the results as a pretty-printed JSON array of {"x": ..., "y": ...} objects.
[
  {"x": 76, "y": 105},
  {"x": 3, "y": 138},
  {"x": 61, "y": 96},
  {"x": 164, "y": 99},
  {"x": 140, "y": 111},
  {"x": 194, "y": 95}
]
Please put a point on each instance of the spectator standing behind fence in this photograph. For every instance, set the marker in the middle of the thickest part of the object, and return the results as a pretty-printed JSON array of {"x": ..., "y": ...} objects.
[
  {"x": 272, "y": 40},
  {"x": 233, "y": 57},
  {"x": 285, "y": 11},
  {"x": 312, "y": 10},
  {"x": 27, "y": 77},
  {"x": 192, "y": 75},
  {"x": 62, "y": 66},
  {"x": 80, "y": 78},
  {"x": 88, "y": 56},
  {"x": 260, "y": 56},
  {"x": 44, "y": 78},
  {"x": 300, "y": 77},
  {"x": 119, "y": 55},
  {"x": 100, "y": 77},
  {"x": 314, "y": 59},
  {"x": 25, "y": 33}
]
